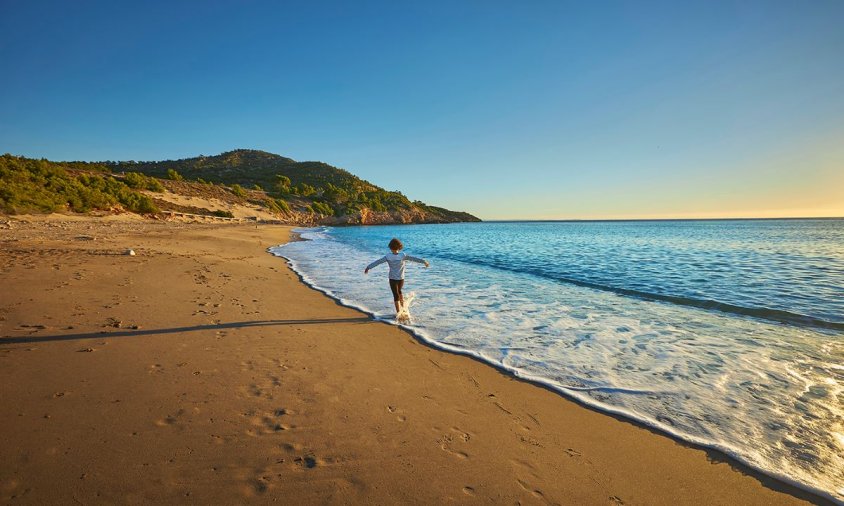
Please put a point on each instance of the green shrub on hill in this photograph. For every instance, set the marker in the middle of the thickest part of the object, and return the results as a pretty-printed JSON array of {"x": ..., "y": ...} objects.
[
  {"x": 322, "y": 208},
  {"x": 282, "y": 185},
  {"x": 278, "y": 205},
  {"x": 238, "y": 190},
  {"x": 139, "y": 181},
  {"x": 28, "y": 185},
  {"x": 304, "y": 189}
]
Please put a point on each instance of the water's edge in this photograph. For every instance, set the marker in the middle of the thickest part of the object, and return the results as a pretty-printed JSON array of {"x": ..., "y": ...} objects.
[{"x": 787, "y": 484}]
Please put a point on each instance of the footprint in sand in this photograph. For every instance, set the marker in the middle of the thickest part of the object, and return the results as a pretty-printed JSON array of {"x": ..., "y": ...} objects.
[
  {"x": 502, "y": 408},
  {"x": 174, "y": 419},
  {"x": 263, "y": 389},
  {"x": 291, "y": 447},
  {"x": 464, "y": 436},
  {"x": 533, "y": 491},
  {"x": 164, "y": 422},
  {"x": 447, "y": 442},
  {"x": 399, "y": 417},
  {"x": 308, "y": 461},
  {"x": 272, "y": 423},
  {"x": 302, "y": 458},
  {"x": 30, "y": 328},
  {"x": 278, "y": 363}
]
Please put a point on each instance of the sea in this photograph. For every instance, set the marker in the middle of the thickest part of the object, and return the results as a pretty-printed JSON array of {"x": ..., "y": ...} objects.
[{"x": 728, "y": 334}]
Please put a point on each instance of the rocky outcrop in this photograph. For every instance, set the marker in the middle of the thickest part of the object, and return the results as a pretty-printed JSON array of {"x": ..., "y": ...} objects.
[{"x": 400, "y": 217}]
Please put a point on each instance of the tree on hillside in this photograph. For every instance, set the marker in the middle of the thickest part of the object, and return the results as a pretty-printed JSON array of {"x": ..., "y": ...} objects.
[
  {"x": 335, "y": 194},
  {"x": 323, "y": 208},
  {"x": 305, "y": 189},
  {"x": 279, "y": 206},
  {"x": 282, "y": 184}
]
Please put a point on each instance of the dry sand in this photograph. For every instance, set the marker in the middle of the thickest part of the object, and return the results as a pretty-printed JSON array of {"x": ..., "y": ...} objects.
[
  {"x": 212, "y": 204},
  {"x": 202, "y": 371}
]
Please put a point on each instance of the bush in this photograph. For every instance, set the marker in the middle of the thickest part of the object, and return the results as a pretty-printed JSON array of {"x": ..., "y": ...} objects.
[
  {"x": 135, "y": 180},
  {"x": 323, "y": 208},
  {"x": 141, "y": 182},
  {"x": 28, "y": 185},
  {"x": 304, "y": 190},
  {"x": 376, "y": 205},
  {"x": 223, "y": 214},
  {"x": 277, "y": 205},
  {"x": 137, "y": 202},
  {"x": 238, "y": 190},
  {"x": 335, "y": 194},
  {"x": 175, "y": 176},
  {"x": 282, "y": 204},
  {"x": 282, "y": 185},
  {"x": 155, "y": 185}
]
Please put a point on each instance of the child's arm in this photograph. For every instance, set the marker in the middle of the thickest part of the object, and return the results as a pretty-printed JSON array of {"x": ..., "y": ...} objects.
[
  {"x": 417, "y": 260},
  {"x": 375, "y": 264}
]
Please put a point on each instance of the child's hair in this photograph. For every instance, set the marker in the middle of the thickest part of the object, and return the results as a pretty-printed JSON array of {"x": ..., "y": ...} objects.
[{"x": 396, "y": 245}]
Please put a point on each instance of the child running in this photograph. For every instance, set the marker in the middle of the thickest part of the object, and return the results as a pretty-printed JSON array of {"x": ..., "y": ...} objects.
[{"x": 396, "y": 262}]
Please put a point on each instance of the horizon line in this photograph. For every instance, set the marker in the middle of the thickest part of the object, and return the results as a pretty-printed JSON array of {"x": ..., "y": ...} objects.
[{"x": 571, "y": 220}]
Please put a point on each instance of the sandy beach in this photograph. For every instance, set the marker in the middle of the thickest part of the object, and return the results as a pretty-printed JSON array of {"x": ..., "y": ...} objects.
[{"x": 202, "y": 371}]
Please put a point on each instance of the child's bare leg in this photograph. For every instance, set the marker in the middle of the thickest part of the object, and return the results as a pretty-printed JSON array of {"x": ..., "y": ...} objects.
[
  {"x": 398, "y": 296},
  {"x": 401, "y": 294}
]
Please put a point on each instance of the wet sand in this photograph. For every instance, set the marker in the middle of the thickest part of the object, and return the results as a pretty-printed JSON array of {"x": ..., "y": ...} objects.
[{"x": 202, "y": 371}]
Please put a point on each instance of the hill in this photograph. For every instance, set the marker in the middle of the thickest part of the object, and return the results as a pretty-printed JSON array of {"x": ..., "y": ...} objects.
[
  {"x": 241, "y": 183},
  {"x": 337, "y": 195}
]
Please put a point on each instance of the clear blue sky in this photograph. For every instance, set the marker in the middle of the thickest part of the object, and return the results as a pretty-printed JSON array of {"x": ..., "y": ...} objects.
[{"x": 504, "y": 109}]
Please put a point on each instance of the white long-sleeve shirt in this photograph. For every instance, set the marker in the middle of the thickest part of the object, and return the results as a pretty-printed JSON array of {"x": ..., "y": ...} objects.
[{"x": 396, "y": 263}]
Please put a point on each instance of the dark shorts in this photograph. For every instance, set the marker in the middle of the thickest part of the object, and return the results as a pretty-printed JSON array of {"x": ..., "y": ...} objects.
[{"x": 395, "y": 287}]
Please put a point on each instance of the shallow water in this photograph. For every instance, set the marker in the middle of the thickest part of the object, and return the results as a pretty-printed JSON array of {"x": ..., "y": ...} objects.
[{"x": 724, "y": 333}]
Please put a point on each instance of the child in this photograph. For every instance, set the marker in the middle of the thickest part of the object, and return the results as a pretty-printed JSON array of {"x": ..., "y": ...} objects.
[{"x": 396, "y": 262}]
